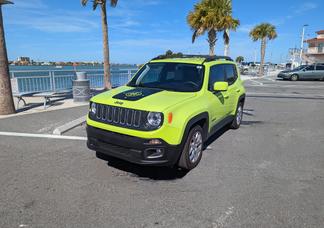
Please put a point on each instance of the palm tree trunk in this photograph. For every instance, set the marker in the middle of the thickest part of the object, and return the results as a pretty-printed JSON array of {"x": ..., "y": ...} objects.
[
  {"x": 212, "y": 38},
  {"x": 263, "y": 48},
  {"x": 226, "y": 45},
  {"x": 6, "y": 99},
  {"x": 107, "y": 76}
]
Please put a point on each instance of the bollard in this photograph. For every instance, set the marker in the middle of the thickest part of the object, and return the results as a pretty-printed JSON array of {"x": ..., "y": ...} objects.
[{"x": 81, "y": 88}]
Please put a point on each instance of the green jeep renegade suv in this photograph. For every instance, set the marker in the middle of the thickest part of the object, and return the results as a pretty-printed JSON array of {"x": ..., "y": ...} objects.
[{"x": 167, "y": 111}]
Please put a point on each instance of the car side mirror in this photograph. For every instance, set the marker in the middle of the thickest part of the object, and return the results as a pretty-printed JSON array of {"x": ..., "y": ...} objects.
[{"x": 220, "y": 86}]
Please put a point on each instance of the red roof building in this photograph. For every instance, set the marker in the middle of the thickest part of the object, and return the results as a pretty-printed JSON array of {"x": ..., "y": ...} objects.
[{"x": 315, "y": 50}]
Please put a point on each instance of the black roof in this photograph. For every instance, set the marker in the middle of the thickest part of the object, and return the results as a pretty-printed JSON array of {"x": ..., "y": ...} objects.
[{"x": 207, "y": 58}]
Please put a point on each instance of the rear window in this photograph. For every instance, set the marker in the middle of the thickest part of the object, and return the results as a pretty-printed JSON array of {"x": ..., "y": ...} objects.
[
  {"x": 320, "y": 67},
  {"x": 231, "y": 73}
]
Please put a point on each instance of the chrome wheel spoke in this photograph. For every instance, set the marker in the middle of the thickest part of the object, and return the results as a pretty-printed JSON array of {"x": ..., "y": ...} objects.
[{"x": 195, "y": 147}]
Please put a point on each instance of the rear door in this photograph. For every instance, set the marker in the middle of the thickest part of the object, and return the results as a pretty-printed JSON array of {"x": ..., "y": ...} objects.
[
  {"x": 233, "y": 88},
  {"x": 319, "y": 71}
]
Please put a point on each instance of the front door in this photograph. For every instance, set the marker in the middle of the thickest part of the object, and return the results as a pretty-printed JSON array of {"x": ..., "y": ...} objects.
[{"x": 216, "y": 100}]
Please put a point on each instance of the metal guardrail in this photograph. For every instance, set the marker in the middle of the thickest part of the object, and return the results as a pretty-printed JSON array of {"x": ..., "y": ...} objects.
[{"x": 56, "y": 80}]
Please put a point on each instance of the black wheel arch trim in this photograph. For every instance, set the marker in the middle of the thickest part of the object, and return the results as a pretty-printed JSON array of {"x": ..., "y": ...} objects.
[
  {"x": 193, "y": 121},
  {"x": 242, "y": 98}
]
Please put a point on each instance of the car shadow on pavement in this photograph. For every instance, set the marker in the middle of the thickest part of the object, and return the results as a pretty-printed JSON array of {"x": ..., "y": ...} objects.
[
  {"x": 144, "y": 172},
  {"x": 215, "y": 136}
]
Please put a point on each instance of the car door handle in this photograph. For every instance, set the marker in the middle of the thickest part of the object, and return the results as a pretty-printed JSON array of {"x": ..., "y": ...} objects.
[
  {"x": 238, "y": 90},
  {"x": 226, "y": 96}
]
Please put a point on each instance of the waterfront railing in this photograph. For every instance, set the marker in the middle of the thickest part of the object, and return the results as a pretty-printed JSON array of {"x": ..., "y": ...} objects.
[{"x": 56, "y": 80}]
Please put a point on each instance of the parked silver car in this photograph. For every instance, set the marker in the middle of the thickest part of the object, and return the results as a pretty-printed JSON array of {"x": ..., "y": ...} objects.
[{"x": 304, "y": 72}]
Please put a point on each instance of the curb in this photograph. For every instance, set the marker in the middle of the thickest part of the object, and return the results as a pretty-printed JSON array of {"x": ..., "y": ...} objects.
[{"x": 70, "y": 125}]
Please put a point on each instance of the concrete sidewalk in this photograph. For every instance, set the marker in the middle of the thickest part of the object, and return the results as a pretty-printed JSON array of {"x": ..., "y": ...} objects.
[
  {"x": 42, "y": 122},
  {"x": 35, "y": 105}
]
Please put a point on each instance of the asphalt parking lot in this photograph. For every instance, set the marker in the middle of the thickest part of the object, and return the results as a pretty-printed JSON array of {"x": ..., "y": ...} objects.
[{"x": 268, "y": 173}]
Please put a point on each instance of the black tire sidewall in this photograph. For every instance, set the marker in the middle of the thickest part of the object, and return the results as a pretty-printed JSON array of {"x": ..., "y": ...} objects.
[
  {"x": 234, "y": 124},
  {"x": 184, "y": 161}
]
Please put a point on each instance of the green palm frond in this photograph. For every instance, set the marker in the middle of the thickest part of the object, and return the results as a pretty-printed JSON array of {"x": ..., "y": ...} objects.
[
  {"x": 113, "y": 3},
  {"x": 263, "y": 30},
  {"x": 95, "y": 3},
  {"x": 3, "y": 2},
  {"x": 211, "y": 15}
]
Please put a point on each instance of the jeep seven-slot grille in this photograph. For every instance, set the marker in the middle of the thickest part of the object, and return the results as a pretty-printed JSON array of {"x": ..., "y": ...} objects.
[{"x": 122, "y": 117}]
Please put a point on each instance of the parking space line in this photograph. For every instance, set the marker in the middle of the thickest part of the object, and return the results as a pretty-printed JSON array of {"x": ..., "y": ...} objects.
[
  {"x": 48, "y": 136},
  {"x": 288, "y": 95},
  {"x": 256, "y": 82}
]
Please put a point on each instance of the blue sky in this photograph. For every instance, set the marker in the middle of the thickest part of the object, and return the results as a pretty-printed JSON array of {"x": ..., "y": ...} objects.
[{"x": 63, "y": 30}]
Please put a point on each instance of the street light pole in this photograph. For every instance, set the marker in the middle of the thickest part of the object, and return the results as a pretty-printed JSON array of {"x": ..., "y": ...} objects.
[{"x": 302, "y": 44}]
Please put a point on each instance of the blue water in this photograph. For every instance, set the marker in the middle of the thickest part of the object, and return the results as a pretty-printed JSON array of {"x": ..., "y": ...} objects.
[
  {"x": 50, "y": 78},
  {"x": 78, "y": 68}
]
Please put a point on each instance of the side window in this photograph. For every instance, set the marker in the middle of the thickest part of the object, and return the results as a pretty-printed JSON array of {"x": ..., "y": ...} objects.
[
  {"x": 320, "y": 67},
  {"x": 231, "y": 73},
  {"x": 216, "y": 74},
  {"x": 309, "y": 68}
]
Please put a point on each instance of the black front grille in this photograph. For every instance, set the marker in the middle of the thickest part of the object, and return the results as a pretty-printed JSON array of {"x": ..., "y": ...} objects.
[{"x": 122, "y": 117}]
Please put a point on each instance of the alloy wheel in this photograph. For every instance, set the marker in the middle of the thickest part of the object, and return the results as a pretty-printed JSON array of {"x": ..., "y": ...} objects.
[{"x": 195, "y": 147}]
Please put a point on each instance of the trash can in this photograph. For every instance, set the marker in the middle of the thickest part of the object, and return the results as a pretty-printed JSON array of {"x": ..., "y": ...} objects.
[{"x": 81, "y": 88}]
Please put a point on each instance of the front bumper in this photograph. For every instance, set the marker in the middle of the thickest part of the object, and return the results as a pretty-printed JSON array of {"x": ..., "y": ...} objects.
[
  {"x": 132, "y": 149},
  {"x": 283, "y": 76}
]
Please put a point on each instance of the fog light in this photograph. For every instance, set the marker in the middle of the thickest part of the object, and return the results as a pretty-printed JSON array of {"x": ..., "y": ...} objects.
[
  {"x": 154, "y": 142},
  {"x": 154, "y": 153}
]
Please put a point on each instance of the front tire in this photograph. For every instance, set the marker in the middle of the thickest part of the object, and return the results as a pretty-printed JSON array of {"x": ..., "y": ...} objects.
[
  {"x": 294, "y": 77},
  {"x": 192, "y": 150},
  {"x": 238, "y": 116}
]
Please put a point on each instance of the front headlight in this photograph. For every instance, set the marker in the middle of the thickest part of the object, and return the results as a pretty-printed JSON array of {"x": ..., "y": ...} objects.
[
  {"x": 154, "y": 119},
  {"x": 93, "y": 108}
]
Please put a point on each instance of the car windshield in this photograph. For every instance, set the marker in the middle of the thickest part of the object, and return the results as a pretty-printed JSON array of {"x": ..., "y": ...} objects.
[{"x": 180, "y": 77}]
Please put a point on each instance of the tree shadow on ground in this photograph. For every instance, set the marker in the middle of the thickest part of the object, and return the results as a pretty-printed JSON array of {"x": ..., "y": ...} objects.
[
  {"x": 54, "y": 102},
  {"x": 144, "y": 172}
]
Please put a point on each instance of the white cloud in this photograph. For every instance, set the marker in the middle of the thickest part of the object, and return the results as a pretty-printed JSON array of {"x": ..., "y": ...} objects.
[
  {"x": 35, "y": 14},
  {"x": 306, "y": 6}
]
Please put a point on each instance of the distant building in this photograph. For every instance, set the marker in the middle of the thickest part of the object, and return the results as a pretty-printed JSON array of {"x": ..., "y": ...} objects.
[
  {"x": 23, "y": 59},
  {"x": 315, "y": 50}
]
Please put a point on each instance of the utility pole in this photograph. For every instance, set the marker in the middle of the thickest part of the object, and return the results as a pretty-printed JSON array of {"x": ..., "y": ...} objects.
[
  {"x": 255, "y": 56},
  {"x": 302, "y": 44}
]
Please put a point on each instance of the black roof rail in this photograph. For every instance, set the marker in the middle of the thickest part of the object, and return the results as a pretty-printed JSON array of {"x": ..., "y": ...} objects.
[{"x": 207, "y": 58}]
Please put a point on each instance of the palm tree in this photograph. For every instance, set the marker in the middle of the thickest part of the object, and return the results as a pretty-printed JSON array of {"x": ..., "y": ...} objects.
[
  {"x": 263, "y": 32},
  {"x": 239, "y": 59},
  {"x": 211, "y": 16},
  {"x": 228, "y": 24},
  {"x": 102, "y": 3},
  {"x": 6, "y": 99}
]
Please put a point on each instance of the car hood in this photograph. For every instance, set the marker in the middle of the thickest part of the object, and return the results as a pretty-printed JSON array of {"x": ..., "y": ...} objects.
[{"x": 148, "y": 99}]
